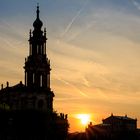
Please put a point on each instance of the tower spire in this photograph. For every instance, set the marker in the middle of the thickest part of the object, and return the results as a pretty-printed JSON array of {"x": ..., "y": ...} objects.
[
  {"x": 37, "y": 12},
  {"x": 37, "y": 23}
]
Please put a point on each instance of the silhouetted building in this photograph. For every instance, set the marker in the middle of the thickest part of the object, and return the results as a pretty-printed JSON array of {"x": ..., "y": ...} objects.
[
  {"x": 120, "y": 123},
  {"x": 114, "y": 128},
  {"x": 27, "y": 109},
  {"x": 36, "y": 93}
]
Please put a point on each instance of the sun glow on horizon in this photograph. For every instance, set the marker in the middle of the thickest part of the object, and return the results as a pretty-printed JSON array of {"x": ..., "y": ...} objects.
[{"x": 84, "y": 118}]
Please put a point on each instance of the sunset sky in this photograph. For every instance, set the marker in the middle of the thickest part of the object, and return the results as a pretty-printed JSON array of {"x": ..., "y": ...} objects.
[{"x": 94, "y": 48}]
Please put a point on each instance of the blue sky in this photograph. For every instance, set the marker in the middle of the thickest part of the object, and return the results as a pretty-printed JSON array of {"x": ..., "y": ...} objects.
[{"x": 94, "y": 48}]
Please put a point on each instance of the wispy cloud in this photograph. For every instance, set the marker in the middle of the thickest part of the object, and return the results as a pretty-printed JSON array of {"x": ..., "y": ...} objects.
[
  {"x": 71, "y": 85},
  {"x": 136, "y": 4}
]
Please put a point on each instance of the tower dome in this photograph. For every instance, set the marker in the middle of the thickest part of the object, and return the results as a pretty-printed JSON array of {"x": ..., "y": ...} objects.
[{"x": 37, "y": 23}]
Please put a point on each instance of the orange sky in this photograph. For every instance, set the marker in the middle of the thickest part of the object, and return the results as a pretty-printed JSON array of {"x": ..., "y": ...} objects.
[{"x": 94, "y": 48}]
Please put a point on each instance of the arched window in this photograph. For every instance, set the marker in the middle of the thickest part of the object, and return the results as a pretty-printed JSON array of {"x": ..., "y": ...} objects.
[
  {"x": 41, "y": 82},
  {"x": 41, "y": 47},
  {"x": 33, "y": 78}
]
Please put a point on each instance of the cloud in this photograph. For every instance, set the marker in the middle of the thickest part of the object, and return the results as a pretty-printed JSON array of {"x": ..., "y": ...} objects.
[
  {"x": 105, "y": 74},
  {"x": 11, "y": 48},
  {"x": 95, "y": 65},
  {"x": 136, "y": 4},
  {"x": 70, "y": 85}
]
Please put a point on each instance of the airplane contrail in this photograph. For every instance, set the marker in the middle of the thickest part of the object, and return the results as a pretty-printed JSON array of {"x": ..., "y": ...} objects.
[{"x": 73, "y": 19}]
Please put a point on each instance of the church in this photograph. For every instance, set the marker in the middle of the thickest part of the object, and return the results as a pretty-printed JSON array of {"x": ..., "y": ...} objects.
[{"x": 26, "y": 110}]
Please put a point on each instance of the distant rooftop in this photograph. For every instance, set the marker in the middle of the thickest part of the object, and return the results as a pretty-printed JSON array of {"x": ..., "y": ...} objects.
[{"x": 120, "y": 117}]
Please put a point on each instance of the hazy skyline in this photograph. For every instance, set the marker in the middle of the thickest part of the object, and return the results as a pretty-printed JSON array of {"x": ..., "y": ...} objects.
[{"x": 94, "y": 48}]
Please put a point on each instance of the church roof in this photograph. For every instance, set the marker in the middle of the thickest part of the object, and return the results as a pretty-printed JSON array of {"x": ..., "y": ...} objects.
[
  {"x": 20, "y": 88},
  {"x": 17, "y": 87},
  {"x": 119, "y": 117},
  {"x": 123, "y": 117}
]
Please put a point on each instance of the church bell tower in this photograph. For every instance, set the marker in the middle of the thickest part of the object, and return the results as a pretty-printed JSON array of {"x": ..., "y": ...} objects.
[
  {"x": 37, "y": 65},
  {"x": 37, "y": 68}
]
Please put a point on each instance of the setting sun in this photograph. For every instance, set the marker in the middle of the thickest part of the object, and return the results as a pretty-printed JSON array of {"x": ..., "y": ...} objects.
[{"x": 84, "y": 118}]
